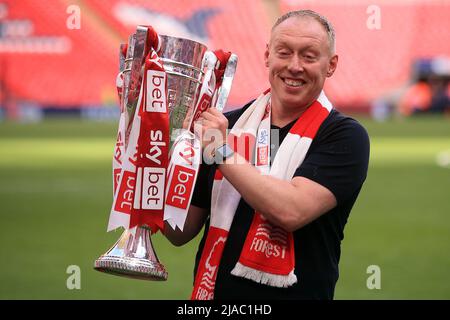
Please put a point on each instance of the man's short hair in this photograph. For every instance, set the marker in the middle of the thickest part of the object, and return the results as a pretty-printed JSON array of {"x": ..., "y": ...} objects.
[{"x": 316, "y": 16}]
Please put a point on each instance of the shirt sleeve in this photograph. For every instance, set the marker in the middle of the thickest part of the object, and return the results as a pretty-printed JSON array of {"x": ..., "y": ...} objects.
[
  {"x": 202, "y": 191},
  {"x": 338, "y": 159}
]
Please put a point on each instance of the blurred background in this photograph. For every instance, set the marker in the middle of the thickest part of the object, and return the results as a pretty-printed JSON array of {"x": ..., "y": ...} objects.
[{"x": 59, "y": 115}]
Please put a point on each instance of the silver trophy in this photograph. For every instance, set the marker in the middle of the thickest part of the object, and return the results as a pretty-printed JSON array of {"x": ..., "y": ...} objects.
[{"x": 186, "y": 62}]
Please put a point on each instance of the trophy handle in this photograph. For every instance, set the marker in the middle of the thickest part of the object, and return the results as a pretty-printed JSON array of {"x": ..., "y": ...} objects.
[
  {"x": 209, "y": 61},
  {"x": 225, "y": 88},
  {"x": 132, "y": 256},
  {"x": 205, "y": 93}
]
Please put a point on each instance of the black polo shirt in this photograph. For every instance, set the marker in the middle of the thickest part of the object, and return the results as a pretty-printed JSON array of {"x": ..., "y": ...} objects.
[{"x": 338, "y": 160}]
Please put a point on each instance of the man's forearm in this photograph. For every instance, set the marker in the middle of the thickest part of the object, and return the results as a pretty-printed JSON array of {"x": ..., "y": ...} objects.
[
  {"x": 272, "y": 197},
  {"x": 194, "y": 222}
]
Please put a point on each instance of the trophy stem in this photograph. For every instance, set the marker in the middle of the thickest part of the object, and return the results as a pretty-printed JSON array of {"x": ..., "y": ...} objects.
[{"x": 133, "y": 256}]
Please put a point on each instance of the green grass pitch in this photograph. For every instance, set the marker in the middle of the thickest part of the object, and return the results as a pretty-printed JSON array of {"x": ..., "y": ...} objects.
[{"x": 55, "y": 196}]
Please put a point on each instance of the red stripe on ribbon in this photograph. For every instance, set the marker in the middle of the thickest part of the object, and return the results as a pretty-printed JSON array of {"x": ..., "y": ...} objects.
[{"x": 152, "y": 148}]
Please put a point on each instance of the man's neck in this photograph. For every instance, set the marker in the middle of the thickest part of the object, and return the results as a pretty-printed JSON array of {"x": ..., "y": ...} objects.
[{"x": 281, "y": 117}]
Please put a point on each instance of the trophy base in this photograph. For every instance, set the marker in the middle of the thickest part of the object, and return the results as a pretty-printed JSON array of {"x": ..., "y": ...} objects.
[{"x": 131, "y": 267}]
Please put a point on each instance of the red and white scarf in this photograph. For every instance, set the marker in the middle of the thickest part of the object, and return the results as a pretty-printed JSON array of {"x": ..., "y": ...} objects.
[{"x": 268, "y": 255}]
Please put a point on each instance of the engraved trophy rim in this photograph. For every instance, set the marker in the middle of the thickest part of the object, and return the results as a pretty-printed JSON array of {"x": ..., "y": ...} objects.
[
  {"x": 184, "y": 39},
  {"x": 133, "y": 268}
]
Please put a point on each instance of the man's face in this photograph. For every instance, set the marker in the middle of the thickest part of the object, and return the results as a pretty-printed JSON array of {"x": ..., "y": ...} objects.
[{"x": 299, "y": 59}]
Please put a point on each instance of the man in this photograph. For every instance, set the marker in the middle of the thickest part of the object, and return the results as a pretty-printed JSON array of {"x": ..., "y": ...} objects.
[{"x": 276, "y": 226}]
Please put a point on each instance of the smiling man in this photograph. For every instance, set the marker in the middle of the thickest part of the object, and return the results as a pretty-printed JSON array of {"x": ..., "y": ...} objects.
[
  {"x": 275, "y": 217},
  {"x": 300, "y": 56}
]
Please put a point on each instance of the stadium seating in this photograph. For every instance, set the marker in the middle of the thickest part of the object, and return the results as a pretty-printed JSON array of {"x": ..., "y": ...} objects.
[
  {"x": 73, "y": 75},
  {"x": 373, "y": 62},
  {"x": 232, "y": 25},
  {"x": 44, "y": 61}
]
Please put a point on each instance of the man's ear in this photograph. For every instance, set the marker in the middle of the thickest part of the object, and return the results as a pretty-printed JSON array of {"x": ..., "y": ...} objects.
[
  {"x": 266, "y": 56},
  {"x": 332, "y": 65}
]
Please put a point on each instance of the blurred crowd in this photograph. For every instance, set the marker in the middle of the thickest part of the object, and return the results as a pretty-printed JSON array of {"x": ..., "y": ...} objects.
[{"x": 428, "y": 91}]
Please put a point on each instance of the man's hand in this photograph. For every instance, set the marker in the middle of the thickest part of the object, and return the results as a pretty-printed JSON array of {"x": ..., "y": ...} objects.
[{"x": 211, "y": 128}]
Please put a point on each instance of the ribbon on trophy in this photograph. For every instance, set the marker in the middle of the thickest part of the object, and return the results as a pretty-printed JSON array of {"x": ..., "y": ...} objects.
[
  {"x": 139, "y": 198},
  {"x": 142, "y": 196},
  {"x": 186, "y": 154},
  {"x": 141, "y": 152},
  {"x": 119, "y": 148},
  {"x": 164, "y": 83}
]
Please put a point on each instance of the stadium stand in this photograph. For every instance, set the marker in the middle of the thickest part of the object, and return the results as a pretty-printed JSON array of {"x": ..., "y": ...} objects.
[
  {"x": 44, "y": 62},
  {"x": 232, "y": 25},
  {"x": 83, "y": 72},
  {"x": 53, "y": 66},
  {"x": 373, "y": 62}
]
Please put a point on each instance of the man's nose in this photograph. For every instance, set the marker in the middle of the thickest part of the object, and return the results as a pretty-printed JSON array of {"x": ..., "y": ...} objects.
[{"x": 295, "y": 64}]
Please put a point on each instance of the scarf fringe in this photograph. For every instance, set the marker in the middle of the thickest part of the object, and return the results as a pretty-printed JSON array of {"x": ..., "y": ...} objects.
[{"x": 273, "y": 280}]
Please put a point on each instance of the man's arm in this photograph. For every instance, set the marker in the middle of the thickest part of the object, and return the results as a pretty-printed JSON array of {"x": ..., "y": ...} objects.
[
  {"x": 194, "y": 223},
  {"x": 288, "y": 204}
]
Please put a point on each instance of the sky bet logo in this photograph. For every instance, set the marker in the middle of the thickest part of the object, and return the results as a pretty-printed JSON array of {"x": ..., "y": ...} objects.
[
  {"x": 153, "y": 178},
  {"x": 183, "y": 176},
  {"x": 153, "y": 188},
  {"x": 156, "y": 92},
  {"x": 126, "y": 192},
  {"x": 181, "y": 187}
]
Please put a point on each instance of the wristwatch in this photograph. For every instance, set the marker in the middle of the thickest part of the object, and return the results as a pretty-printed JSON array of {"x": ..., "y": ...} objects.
[{"x": 220, "y": 154}]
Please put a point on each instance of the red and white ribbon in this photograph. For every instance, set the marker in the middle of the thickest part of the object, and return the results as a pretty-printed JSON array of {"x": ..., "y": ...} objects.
[
  {"x": 186, "y": 154},
  {"x": 183, "y": 170},
  {"x": 119, "y": 147},
  {"x": 150, "y": 187},
  {"x": 139, "y": 199}
]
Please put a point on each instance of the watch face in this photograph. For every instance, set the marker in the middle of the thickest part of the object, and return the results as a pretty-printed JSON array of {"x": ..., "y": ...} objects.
[{"x": 225, "y": 151}]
